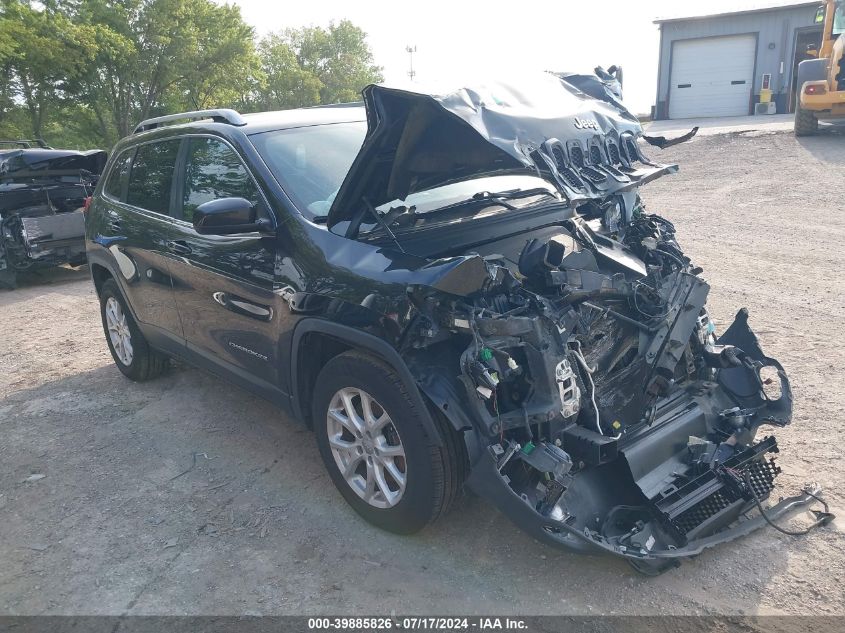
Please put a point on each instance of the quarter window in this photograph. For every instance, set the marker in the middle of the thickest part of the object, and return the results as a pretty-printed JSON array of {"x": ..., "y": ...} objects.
[
  {"x": 152, "y": 176},
  {"x": 213, "y": 170},
  {"x": 117, "y": 175}
]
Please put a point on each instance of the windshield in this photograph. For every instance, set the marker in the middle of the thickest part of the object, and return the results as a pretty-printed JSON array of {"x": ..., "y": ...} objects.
[
  {"x": 839, "y": 18},
  {"x": 311, "y": 162}
]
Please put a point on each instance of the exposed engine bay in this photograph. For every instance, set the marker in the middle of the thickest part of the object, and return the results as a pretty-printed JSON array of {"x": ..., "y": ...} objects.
[
  {"x": 568, "y": 337},
  {"x": 42, "y": 193},
  {"x": 610, "y": 405}
]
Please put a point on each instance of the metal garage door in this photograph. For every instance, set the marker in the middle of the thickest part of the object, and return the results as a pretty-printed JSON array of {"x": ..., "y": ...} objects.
[{"x": 712, "y": 76}]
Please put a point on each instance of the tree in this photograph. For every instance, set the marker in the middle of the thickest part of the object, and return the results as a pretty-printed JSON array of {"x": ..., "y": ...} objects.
[
  {"x": 86, "y": 71},
  {"x": 285, "y": 84},
  {"x": 313, "y": 65},
  {"x": 47, "y": 52},
  {"x": 8, "y": 49},
  {"x": 157, "y": 55},
  {"x": 343, "y": 62}
]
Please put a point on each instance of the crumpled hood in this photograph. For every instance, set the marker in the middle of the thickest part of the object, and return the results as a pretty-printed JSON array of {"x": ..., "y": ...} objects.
[
  {"x": 418, "y": 140},
  {"x": 35, "y": 161}
]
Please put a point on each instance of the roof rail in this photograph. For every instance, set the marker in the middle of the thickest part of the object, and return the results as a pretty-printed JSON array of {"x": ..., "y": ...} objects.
[
  {"x": 26, "y": 143},
  {"x": 222, "y": 115},
  {"x": 345, "y": 104}
]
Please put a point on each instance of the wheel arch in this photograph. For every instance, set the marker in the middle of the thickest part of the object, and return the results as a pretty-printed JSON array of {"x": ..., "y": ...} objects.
[
  {"x": 99, "y": 275},
  {"x": 316, "y": 341},
  {"x": 101, "y": 269}
]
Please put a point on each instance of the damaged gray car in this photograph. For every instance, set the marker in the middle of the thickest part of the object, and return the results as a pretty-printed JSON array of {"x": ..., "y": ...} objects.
[{"x": 457, "y": 288}]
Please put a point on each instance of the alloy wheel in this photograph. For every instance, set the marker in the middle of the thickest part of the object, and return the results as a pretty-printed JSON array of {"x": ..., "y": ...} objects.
[
  {"x": 118, "y": 327},
  {"x": 366, "y": 447}
]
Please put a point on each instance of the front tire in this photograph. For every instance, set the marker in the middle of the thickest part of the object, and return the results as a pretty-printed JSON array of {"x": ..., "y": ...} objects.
[
  {"x": 129, "y": 349},
  {"x": 373, "y": 442},
  {"x": 806, "y": 122}
]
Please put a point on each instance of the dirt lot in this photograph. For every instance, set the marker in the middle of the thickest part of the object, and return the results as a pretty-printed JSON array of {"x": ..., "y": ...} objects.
[{"x": 189, "y": 496}]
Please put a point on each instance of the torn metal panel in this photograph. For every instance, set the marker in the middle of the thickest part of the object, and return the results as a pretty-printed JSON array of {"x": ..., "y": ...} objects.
[
  {"x": 419, "y": 140},
  {"x": 20, "y": 163}
]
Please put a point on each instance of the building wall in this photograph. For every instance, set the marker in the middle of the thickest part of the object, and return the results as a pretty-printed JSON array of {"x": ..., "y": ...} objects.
[{"x": 776, "y": 27}]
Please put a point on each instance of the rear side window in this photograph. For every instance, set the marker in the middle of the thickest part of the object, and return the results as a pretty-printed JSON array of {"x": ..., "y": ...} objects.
[
  {"x": 213, "y": 170},
  {"x": 152, "y": 176},
  {"x": 117, "y": 176}
]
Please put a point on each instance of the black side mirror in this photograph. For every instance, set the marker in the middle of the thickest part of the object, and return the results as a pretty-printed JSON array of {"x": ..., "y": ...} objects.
[{"x": 226, "y": 216}]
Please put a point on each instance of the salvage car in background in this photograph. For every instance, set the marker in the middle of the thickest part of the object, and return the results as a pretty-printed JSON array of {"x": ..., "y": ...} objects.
[
  {"x": 450, "y": 288},
  {"x": 42, "y": 194}
]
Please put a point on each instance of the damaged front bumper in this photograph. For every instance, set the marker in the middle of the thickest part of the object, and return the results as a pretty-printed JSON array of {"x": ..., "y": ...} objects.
[
  {"x": 647, "y": 497},
  {"x": 486, "y": 481}
]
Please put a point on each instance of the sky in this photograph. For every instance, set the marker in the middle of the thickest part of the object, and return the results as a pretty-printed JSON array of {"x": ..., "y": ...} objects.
[{"x": 459, "y": 39}]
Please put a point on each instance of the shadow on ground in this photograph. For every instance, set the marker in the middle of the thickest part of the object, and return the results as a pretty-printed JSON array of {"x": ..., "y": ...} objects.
[
  {"x": 828, "y": 145},
  {"x": 47, "y": 280},
  {"x": 189, "y": 495}
]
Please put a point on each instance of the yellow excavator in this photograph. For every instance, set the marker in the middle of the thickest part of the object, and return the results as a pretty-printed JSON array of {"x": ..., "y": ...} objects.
[{"x": 821, "y": 81}]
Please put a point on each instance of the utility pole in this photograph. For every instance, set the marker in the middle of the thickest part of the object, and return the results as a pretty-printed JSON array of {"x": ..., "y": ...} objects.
[{"x": 411, "y": 50}]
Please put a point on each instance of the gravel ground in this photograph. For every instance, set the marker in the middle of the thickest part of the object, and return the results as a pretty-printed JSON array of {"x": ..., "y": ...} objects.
[{"x": 188, "y": 496}]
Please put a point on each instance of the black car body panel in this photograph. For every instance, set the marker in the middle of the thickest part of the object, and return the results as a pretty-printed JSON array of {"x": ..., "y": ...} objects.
[
  {"x": 42, "y": 193},
  {"x": 564, "y": 336}
]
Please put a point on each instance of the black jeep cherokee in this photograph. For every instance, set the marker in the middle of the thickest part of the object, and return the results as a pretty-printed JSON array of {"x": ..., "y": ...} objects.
[{"x": 451, "y": 289}]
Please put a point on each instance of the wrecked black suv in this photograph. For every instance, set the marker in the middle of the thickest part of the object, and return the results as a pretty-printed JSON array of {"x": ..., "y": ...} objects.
[
  {"x": 42, "y": 196},
  {"x": 451, "y": 289}
]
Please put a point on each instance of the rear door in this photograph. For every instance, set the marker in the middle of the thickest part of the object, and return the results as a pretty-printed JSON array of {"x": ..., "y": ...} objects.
[
  {"x": 137, "y": 228},
  {"x": 224, "y": 284}
]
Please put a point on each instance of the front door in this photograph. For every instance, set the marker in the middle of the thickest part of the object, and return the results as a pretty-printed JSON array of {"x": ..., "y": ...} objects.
[{"x": 224, "y": 284}]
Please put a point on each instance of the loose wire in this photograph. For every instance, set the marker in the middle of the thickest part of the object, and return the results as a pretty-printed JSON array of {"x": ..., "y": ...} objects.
[{"x": 821, "y": 521}]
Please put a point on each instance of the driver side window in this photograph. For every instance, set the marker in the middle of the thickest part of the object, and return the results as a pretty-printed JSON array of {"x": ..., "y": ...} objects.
[{"x": 212, "y": 171}]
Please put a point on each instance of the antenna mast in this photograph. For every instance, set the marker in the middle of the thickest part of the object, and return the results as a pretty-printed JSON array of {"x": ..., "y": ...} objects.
[{"x": 411, "y": 50}]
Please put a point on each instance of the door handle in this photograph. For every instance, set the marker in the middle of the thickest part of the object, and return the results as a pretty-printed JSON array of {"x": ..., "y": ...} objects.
[
  {"x": 242, "y": 306},
  {"x": 180, "y": 247}
]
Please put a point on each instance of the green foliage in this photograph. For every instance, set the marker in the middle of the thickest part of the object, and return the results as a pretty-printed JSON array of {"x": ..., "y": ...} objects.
[
  {"x": 285, "y": 83},
  {"x": 337, "y": 60},
  {"x": 84, "y": 72},
  {"x": 46, "y": 54},
  {"x": 162, "y": 55}
]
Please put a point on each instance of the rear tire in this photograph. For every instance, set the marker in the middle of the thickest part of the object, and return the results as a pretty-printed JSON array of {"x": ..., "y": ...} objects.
[
  {"x": 129, "y": 349},
  {"x": 428, "y": 477},
  {"x": 806, "y": 122}
]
